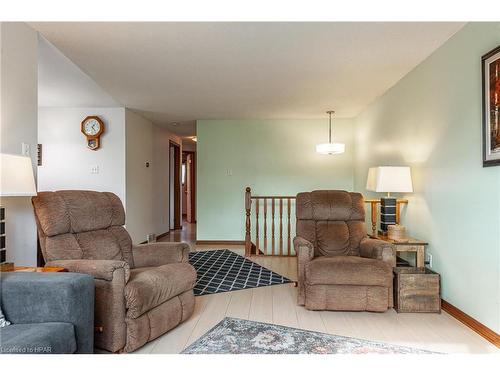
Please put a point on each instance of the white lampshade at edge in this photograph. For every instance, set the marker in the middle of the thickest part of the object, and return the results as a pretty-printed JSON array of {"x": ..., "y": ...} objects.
[
  {"x": 16, "y": 176},
  {"x": 389, "y": 180}
]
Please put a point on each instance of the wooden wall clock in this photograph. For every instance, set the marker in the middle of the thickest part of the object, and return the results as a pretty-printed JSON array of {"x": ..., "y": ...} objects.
[{"x": 92, "y": 128}]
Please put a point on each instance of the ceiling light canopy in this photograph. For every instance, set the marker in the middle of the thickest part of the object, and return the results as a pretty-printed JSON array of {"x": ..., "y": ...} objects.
[{"x": 330, "y": 148}]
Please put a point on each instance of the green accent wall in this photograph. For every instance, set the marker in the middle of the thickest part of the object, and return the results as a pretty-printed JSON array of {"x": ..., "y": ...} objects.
[
  {"x": 431, "y": 121},
  {"x": 273, "y": 157}
]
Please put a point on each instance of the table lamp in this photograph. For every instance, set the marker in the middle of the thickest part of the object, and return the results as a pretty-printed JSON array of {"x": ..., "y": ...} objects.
[
  {"x": 389, "y": 180},
  {"x": 16, "y": 180}
]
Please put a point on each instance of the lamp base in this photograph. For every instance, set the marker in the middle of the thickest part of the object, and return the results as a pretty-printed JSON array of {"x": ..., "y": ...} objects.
[{"x": 387, "y": 213}]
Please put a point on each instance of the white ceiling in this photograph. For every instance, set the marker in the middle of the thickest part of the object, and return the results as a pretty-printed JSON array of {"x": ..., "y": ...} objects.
[
  {"x": 180, "y": 72},
  {"x": 62, "y": 84}
]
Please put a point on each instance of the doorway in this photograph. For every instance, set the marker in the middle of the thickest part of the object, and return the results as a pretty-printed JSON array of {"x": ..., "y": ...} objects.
[
  {"x": 188, "y": 179},
  {"x": 175, "y": 186}
]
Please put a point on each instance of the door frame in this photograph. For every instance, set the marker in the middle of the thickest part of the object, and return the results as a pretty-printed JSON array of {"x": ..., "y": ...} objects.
[
  {"x": 177, "y": 183},
  {"x": 192, "y": 177}
]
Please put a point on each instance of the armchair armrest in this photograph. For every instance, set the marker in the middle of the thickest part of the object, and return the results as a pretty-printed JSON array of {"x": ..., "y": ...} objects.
[
  {"x": 51, "y": 297},
  {"x": 378, "y": 249},
  {"x": 160, "y": 253},
  {"x": 99, "y": 269},
  {"x": 110, "y": 278},
  {"x": 303, "y": 248},
  {"x": 305, "y": 253}
]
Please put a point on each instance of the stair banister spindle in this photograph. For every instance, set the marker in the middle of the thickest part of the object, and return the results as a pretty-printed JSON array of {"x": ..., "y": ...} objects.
[
  {"x": 257, "y": 247},
  {"x": 248, "y": 205}
]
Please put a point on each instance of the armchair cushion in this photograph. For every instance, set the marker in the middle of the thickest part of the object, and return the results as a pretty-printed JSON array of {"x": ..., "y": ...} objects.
[
  {"x": 332, "y": 205},
  {"x": 99, "y": 269},
  {"x": 348, "y": 270},
  {"x": 149, "y": 287},
  {"x": 160, "y": 253},
  {"x": 75, "y": 211},
  {"x": 339, "y": 237},
  {"x": 75, "y": 224}
]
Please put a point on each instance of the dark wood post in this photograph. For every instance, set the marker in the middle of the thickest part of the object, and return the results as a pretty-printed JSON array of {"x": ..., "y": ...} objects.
[
  {"x": 248, "y": 206},
  {"x": 281, "y": 226},
  {"x": 289, "y": 229},
  {"x": 374, "y": 207},
  {"x": 257, "y": 242}
]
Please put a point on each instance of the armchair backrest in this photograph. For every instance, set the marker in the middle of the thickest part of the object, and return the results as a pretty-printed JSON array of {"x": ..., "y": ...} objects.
[
  {"x": 79, "y": 224},
  {"x": 332, "y": 220}
]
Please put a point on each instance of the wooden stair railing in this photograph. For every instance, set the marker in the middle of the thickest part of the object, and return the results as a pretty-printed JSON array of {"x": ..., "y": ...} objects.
[
  {"x": 254, "y": 249},
  {"x": 278, "y": 223}
]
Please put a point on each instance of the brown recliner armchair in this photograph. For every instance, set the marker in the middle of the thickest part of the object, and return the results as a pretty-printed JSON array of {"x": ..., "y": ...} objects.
[
  {"x": 339, "y": 267},
  {"x": 141, "y": 291}
]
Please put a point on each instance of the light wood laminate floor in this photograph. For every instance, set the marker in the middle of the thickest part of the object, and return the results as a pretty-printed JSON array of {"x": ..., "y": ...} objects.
[{"x": 277, "y": 304}]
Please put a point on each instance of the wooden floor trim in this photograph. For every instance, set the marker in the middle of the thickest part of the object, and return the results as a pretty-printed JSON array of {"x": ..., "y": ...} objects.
[
  {"x": 472, "y": 323},
  {"x": 219, "y": 242},
  {"x": 160, "y": 236}
]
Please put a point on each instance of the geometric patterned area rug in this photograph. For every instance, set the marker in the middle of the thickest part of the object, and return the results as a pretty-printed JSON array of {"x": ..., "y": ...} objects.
[
  {"x": 223, "y": 271},
  {"x": 240, "y": 336}
]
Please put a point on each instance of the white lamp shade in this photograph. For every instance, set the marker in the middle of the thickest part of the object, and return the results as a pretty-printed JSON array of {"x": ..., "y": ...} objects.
[
  {"x": 16, "y": 176},
  {"x": 330, "y": 148},
  {"x": 389, "y": 180}
]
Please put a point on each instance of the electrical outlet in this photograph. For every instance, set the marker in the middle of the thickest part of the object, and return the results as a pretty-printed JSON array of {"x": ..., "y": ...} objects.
[
  {"x": 25, "y": 149},
  {"x": 229, "y": 172},
  {"x": 94, "y": 169},
  {"x": 428, "y": 261}
]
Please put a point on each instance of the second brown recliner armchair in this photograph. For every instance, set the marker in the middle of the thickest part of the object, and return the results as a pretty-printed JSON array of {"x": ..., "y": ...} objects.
[
  {"x": 141, "y": 291},
  {"x": 339, "y": 267}
]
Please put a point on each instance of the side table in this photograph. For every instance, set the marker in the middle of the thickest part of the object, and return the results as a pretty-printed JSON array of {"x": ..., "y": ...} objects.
[
  {"x": 39, "y": 269},
  {"x": 412, "y": 245}
]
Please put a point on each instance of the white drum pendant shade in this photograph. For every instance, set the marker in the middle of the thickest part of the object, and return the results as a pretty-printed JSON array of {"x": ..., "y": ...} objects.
[{"x": 330, "y": 148}]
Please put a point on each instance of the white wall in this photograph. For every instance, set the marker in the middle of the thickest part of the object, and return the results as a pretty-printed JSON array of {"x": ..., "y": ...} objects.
[
  {"x": 147, "y": 189},
  {"x": 19, "y": 124},
  {"x": 67, "y": 161},
  {"x": 127, "y": 144},
  {"x": 139, "y": 178},
  {"x": 61, "y": 83}
]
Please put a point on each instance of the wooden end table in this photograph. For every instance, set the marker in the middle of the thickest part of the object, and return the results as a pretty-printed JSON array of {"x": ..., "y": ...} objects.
[
  {"x": 39, "y": 269},
  {"x": 412, "y": 245}
]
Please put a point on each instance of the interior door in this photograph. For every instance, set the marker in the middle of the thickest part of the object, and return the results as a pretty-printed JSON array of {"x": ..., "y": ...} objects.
[
  {"x": 190, "y": 188},
  {"x": 175, "y": 186}
]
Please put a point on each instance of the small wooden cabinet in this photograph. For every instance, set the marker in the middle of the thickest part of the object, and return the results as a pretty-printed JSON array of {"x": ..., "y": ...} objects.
[{"x": 416, "y": 290}]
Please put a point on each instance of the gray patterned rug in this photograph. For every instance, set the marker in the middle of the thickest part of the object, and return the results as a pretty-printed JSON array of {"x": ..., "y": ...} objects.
[{"x": 240, "y": 336}]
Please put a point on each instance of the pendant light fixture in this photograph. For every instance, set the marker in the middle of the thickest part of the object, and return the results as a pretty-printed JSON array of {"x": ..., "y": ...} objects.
[{"x": 330, "y": 148}]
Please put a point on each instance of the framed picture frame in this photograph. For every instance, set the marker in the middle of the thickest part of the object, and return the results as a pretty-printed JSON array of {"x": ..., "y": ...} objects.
[{"x": 491, "y": 107}]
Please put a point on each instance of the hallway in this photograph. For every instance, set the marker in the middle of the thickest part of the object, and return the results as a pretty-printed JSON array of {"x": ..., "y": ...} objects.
[{"x": 186, "y": 234}]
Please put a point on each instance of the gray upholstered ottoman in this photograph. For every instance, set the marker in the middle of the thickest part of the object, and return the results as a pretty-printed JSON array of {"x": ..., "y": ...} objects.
[{"x": 49, "y": 313}]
